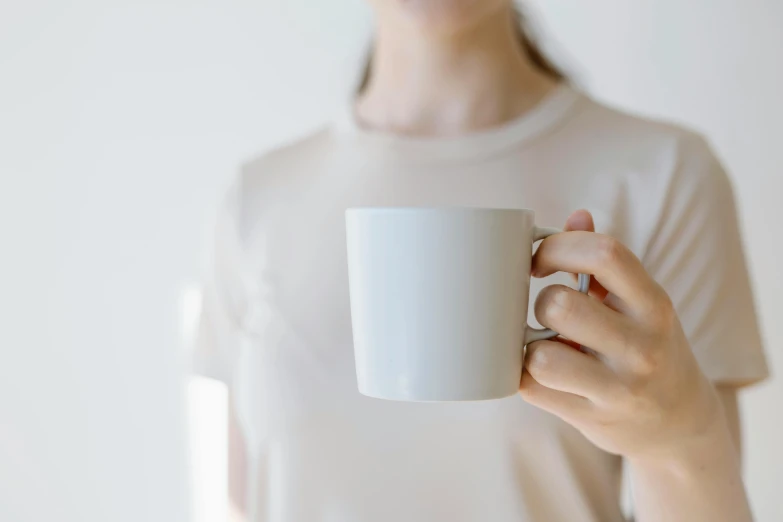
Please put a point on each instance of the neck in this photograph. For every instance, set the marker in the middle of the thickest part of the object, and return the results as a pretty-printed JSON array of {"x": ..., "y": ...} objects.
[{"x": 425, "y": 84}]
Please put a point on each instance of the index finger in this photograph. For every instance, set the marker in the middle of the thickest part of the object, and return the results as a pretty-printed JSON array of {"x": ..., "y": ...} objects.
[
  {"x": 608, "y": 260},
  {"x": 583, "y": 220}
]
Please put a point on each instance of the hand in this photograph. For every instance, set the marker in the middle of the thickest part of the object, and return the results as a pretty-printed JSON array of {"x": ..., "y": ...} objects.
[{"x": 637, "y": 389}]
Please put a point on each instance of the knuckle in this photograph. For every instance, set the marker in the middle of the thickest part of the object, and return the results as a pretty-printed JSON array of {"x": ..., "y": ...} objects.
[
  {"x": 635, "y": 391},
  {"x": 554, "y": 304},
  {"x": 641, "y": 401},
  {"x": 541, "y": 361},
  {"x": 644, "y": 361},
  {"x": 665, "y": 313},
  {"x": 610, "y": 250},
  {"x": 633, "y": 401}
]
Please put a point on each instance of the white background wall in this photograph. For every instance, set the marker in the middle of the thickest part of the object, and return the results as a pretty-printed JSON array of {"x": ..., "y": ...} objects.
[{"x": 120, "y": 122}]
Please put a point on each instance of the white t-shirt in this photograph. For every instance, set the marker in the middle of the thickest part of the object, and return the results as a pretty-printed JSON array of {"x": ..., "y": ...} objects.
[{"x": 276, "y": 320}]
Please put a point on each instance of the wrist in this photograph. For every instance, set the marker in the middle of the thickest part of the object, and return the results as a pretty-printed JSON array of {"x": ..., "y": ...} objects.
[
  {"x": 697, "y": 434},
  {"x": 700, "y": 480},
  {"x": 691, "y": 457}
]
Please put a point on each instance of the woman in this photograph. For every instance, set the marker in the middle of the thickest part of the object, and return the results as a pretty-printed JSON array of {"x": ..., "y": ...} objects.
[{"x": 459, "y": 109}]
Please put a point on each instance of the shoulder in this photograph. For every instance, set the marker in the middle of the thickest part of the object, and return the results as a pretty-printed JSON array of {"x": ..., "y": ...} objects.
[
  {"x": 273, "y": 177},
  {"x": 286, "y": 162},
  {"x": 647, "y": 176},
  {"x": 652, "y": 147},
  {"x": 646, "y": 162}
]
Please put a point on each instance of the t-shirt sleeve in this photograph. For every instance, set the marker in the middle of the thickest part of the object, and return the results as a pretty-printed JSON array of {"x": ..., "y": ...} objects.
[
  {"x": 220, "y": 327},
  {"x": 695, "y": 252}
]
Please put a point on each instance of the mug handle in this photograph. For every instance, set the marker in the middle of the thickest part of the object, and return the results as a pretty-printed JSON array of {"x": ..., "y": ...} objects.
[{"x": 541, "y": 334}]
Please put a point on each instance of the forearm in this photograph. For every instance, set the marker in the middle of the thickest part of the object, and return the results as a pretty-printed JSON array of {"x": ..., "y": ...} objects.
[{"x": 701, "y": 482}]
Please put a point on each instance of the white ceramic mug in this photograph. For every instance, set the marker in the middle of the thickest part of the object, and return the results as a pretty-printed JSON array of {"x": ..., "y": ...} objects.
[{"x": 439, "y": 300}]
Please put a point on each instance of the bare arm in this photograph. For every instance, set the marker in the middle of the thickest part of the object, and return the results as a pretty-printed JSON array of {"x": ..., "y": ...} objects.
[
  {"x": 728, "y": 399},
  {"x": 703, "y": 484}
]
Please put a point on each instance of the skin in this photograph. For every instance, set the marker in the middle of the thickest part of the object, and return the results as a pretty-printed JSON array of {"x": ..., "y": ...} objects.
[
  {"x": 446, "y": 67},
  {"x": 639, "y": 391}
]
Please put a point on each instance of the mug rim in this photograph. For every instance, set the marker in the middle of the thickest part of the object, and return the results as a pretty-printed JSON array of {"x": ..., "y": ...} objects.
[{"x": 428, "y": 210}]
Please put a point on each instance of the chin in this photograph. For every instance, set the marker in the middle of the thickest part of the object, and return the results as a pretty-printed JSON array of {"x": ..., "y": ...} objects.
[{"x": 447, "y": 16}]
